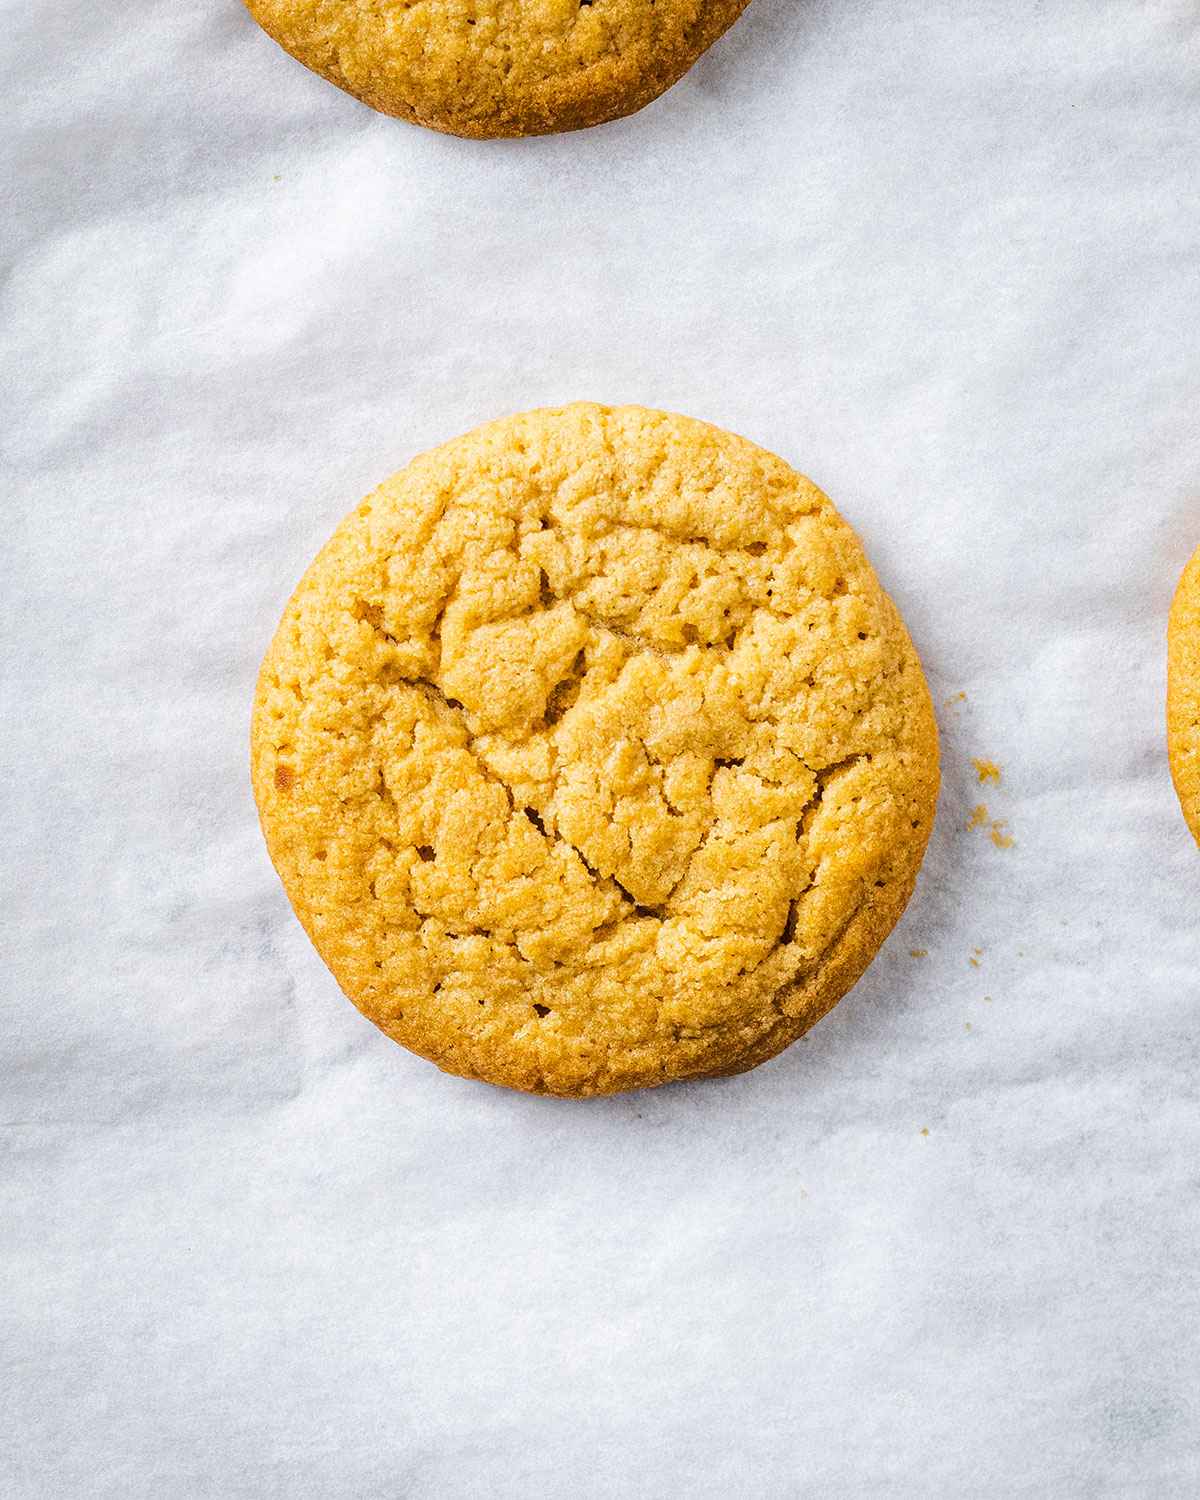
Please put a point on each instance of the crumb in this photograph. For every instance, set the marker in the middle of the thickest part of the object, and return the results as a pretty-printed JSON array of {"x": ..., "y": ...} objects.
[
  {"x": 986, "y": 770},
  {"x": 987, "y": 999},
  {"x": 277, "y": 178},
  {"x": 995, "y": 826},
  {"x": 967, "y": 1024},
  {"x": 979, "y": 817},
  {"x": 924, "y": 1129},
  {"x": 957, "y": 698},
  {"x": 918, "y": 953},
  {"x": 976, "y": 955}
]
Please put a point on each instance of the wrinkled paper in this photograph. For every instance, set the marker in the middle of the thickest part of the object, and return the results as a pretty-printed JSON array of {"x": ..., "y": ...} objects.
[{"x": 944, "y": 258}]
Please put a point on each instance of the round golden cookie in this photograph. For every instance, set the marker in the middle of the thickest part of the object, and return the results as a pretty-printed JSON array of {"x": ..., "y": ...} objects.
[
  {"x": 1183, "y": 693},
  {"x": 499, "y": 67},
  {"x": 592, "y": 754}
]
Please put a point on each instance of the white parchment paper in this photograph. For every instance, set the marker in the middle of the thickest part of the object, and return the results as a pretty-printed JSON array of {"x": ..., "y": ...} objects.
[{"x": 945, "y": 258}]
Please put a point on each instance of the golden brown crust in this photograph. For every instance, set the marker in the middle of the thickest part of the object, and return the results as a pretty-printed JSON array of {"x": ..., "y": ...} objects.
[
  {"x": 592, "y": 755},
  {"x": 499, "y": 67},
  {"x": 1183, "y": 693}
]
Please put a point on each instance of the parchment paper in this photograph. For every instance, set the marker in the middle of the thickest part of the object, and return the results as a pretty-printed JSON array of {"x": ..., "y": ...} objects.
[{"x": 945, "y": 258}]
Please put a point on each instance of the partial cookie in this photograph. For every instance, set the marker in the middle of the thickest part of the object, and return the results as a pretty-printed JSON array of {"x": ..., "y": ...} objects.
[
  {"x": 592, "y": 754},
  {"x": 499, "y": 67},
  {"x": 1183, "y": 693}
]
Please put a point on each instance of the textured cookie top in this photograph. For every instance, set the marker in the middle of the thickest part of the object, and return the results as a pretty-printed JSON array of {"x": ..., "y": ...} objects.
[
  {"x": 499, "y": 67},
  {"x": 592, "y": 754},
  {"x": 1183, "y": 693}
]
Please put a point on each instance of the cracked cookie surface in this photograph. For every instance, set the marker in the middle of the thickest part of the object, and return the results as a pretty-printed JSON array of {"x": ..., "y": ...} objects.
[
  {"x": 592, "y": 754},
  {"x": 499, "y": 67},
  {"x": 1183, "y": 693}
]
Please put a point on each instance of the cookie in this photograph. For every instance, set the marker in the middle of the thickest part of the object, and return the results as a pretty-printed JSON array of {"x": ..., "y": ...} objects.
[
  {"x": 499, "y": 67},
  {"x": 1183, "y": 693},
  {"x": 592, "y": 754}
]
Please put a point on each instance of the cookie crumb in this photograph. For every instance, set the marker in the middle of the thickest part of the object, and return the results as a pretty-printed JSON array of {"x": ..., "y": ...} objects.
[
  {"x": 957, "y": 698},
  {"x": 980, "y": 818},
  {"x": 918, "y": 953},
  {"x": 986, "y": 770},
  {"x": 967, "y": 1024},
  {"x": 924, "y": 1129}
]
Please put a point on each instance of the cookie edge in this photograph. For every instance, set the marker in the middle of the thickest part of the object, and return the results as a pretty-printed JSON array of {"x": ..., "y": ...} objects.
[{"x": 1183, "y": 693}]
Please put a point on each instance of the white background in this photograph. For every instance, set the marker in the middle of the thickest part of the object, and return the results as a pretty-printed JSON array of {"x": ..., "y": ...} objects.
[{"x": 945, "y": 258}]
